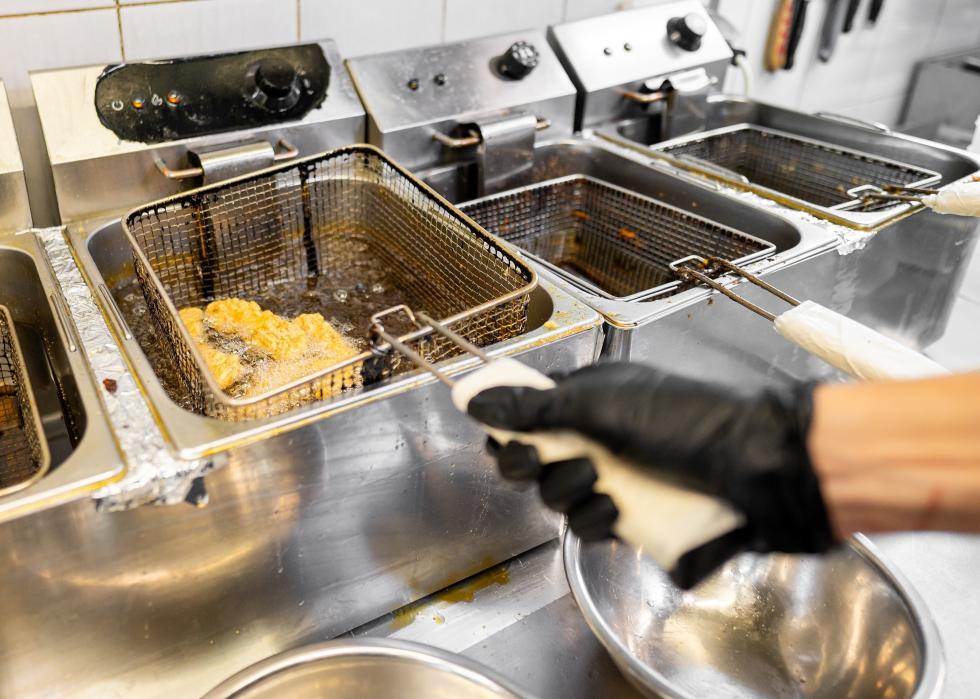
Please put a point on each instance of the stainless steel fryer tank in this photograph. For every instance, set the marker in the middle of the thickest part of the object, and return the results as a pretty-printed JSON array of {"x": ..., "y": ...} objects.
[
  {"x": 725, "y": 111},
  {"x": 668, "y": 331},
  {"x": 356, "y": 508},
  {"x": 83, "y": 453}
]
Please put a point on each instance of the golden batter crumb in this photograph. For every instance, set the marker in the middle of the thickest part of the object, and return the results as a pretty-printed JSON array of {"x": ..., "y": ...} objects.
[{"x": 193, "y": 318}]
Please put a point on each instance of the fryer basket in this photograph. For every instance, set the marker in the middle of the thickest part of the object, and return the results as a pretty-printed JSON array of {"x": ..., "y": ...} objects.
[
  {"x": 24, "y": 456},
  {"x": 815, "y": 172},
  {"x": 312, "y": 219},
  {"x": 605, "y": 239}
]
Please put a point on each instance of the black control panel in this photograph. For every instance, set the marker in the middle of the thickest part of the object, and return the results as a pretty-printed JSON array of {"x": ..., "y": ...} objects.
[{"x": 159, "y": 101}]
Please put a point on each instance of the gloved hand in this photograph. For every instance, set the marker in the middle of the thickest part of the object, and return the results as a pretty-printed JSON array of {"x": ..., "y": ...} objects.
[{"x": 749, "y": 450}]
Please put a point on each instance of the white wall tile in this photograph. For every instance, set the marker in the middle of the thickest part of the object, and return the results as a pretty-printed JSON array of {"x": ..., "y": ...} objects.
[
  {"x": 362, "y": 27},
  {"x": 958, "y": 27},
  {"x": 580, "y": 9},
  {"x": 904, "y": 30},
  {"x": 842, "y": 79},
  {"x": 204, "y": 26},
  {"x": 466, "y": 19},
  {"x": 12, "y": 7},
  {"x": 48, "y": 41}
]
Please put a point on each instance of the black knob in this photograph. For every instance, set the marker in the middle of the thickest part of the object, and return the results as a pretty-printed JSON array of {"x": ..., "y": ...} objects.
[
  {"x": 276, "y": 78},
  {"x": 519, "y": 60},
  {"x": 686, "y": 31}
]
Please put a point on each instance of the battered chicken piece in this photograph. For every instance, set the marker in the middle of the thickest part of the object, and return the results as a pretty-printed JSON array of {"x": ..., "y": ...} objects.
[
  {"x": 193, "y": 318},
  {"x": 263, "y": 330},
  {"x": 236, "y": 317},
  {"x": 324, "y": 338},
  {"x": 226, "y": 368}
]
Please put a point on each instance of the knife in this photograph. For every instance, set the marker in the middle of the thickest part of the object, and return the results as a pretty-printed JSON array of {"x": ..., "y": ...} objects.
[
  {"x": 795, "y": 31},
  {"x": 830, "y": 30},
  {"x": 852, "y": 8}
]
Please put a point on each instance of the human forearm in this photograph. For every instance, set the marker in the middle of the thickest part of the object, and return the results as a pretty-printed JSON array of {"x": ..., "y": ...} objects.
[{"x": 899, "y": 456}]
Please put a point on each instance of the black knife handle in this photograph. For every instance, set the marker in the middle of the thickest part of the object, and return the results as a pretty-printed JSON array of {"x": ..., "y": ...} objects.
[
  {"x": 852, "y": 8},
  {"x": 795, "y": 31},
  {"x": 874, "y": 10}
]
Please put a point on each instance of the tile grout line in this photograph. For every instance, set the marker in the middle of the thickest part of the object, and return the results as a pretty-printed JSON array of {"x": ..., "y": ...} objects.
[
  {"x": 95, "y": 8},
  {"x": 299, "y": 21},
  {"x": 122, "y": 43}
]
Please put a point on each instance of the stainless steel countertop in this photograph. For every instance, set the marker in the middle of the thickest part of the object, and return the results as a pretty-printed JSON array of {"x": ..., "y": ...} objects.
[{"x": 519, "y": 618}]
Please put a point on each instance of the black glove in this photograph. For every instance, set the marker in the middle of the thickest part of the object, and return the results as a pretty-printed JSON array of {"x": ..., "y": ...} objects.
[{"x": 749, "y": 450}]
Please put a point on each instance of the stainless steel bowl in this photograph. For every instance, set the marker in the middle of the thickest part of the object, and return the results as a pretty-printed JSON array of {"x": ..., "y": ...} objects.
[
  {"x": 842, "y": 625},
  {"x": 363, "y": 670}
]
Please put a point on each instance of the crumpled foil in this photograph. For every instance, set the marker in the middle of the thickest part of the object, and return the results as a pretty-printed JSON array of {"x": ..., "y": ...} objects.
[
  {"x": 154, "y": 475},
  {"x": 851, "y": 240}
]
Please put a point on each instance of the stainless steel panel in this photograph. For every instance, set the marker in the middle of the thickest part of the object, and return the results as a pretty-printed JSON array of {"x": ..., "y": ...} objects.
[
  {"x": 944, "y": 99},
  {"x": 630, "y": 51},
  {"x": 15, "y": 211},
  {"x": 97, "y": 174},
  {"x": 402, "y": 120}
]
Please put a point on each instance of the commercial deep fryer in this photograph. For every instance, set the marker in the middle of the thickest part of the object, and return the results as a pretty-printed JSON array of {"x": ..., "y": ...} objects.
[
  {"x": 924, "y": 251},
  {"x": 307, "y": 523},
  {"x": 538, "y": 174}
]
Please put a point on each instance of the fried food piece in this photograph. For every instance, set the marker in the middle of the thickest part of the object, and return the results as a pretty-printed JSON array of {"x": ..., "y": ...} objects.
[
  {"x": 263, "y": 330},
  {"x": 193, "y": 318},
  {"x": 226, "y": 368},
  {"x": 236, "y": 317},
  {"x": 9, "y": 411},
  {"x": 325, "y": 338}
]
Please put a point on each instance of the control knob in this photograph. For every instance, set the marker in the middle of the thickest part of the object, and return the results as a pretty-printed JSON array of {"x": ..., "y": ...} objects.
[
  {"x": 277, "y": 88},
  {"x": 686, "y": 32},
  {"x": 518, "y": 61}
]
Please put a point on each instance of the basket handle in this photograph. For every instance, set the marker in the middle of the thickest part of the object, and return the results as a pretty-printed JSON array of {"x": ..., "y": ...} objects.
[{"x": 283, "y": 150}]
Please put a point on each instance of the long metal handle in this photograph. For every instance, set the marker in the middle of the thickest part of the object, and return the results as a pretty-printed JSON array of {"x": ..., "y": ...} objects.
[
  {"x": 67, "y": 328},
  {"x": 284, "y": 150},
  {"x": 854, "y": 121},
  {"x": 426, "y": 324},
  {"x": 646, "y": 97},
  {"x": 473, "y": 138},
  {"x": 686, "y": 272}
]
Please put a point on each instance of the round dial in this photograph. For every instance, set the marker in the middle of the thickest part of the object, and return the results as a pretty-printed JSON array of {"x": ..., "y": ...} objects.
[
  {"x": 687, "y": 31},
  {"x": 519, "y": 60}
]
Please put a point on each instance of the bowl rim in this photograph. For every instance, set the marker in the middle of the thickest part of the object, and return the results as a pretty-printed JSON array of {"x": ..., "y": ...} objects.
[
  {"x": 933, "y": 667},
  {"x": 430, "y": 656}
]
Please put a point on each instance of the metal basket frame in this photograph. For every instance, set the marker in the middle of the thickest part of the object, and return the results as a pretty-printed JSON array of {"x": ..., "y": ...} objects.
[
  {"x": 212, "y": 400},
  {"x": 14, "y": 371},
  {"x": 606, "y": 191},
  {"x": 677, "y": 148}
]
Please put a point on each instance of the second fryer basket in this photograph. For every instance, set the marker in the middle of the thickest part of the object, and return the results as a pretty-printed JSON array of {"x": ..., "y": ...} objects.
[{"x": 608, "y": 240}]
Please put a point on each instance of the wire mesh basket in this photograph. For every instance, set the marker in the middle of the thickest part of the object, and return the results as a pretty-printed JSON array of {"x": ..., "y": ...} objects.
[
  {"x": 818, "y": 173},
  {"x": 24, "y": 455},
  {"x": 606, "y": 239},
  {"x": 342, "y": 215}
]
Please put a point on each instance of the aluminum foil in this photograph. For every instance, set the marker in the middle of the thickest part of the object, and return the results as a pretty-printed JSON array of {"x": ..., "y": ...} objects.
[
  {"x": 154, "y": 475},
  {"x": 851, "y": 240}
]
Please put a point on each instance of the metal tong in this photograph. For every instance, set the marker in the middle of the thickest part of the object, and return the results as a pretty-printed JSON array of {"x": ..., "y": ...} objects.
[
  {"x": 660, "y": 518},
  {"x": 845, "y": 344},
  {"x": 960, "y": 198}
]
